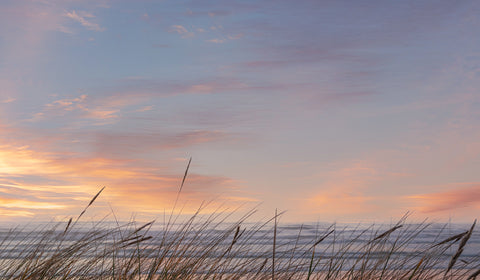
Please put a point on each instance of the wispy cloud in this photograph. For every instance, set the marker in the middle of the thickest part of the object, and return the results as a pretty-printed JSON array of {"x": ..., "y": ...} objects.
[
  {"x": 344, "y": 193},
  {"x": 120, "y": 144},
  {"x": 25, "y": 204},
  {"x": 81, "y": 107},
  {"x": 145, "y": 108},
  {"x": 8, "y": 100},
  {"x": 209, "y": 13},
  {"x": 69, "y": 179},
  {"x": 179, "y": 29},
  {"x": 217, "y": 41},
  {"x": 363, "y": 75},
  {"x": 69, "y": 104},
  {"x": 236, "y": 36},
  {"x": 15, "y": 213},
  {"x": 459, "y": 196},
  {"x": 85, "y": 19},
  {"x": 131, "y": 91}
]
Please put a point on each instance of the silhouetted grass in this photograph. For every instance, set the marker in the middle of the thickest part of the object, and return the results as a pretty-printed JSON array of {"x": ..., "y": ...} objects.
[{"x": 212, "y": 247}]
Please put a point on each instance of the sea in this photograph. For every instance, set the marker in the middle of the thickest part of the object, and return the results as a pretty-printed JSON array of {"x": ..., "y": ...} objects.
[{"x": 304, "y": 248}]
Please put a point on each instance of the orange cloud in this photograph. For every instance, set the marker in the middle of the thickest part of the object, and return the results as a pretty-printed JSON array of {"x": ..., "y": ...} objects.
[
  {"x": 462, "y": 197},
  {"x": 8, "y": 100},
  {"x": 25, "y": 204},
  {"x": 15, "y": 213},
  {"x": 341, "y": 203},
  {"x": 20, "y": 160},
  {"x": 343, "y": 194},
  {"x": 33, "y": 181}
]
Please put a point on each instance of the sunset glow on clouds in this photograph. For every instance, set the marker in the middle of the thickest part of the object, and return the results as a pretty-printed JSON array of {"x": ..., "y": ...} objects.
[{"x": 331, "y": 110}]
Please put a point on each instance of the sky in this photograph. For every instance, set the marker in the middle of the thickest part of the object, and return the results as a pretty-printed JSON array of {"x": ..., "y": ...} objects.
[{"x": 328, "y": 110}]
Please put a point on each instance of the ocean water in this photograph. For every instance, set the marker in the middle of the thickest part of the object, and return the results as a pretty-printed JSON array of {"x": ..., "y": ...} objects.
[{"x": 296, "y": 247}]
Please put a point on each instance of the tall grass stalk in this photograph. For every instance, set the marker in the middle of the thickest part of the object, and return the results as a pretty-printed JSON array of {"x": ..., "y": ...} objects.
[{"x": 212, "y": 246}]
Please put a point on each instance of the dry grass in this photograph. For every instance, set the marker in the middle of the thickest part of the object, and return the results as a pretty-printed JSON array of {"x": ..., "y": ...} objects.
[{"x": 210, "y": 247}]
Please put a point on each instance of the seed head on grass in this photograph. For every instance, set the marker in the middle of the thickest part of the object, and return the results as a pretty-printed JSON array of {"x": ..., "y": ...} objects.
[
  {"x": 461, "y": 247},
  {"x": 387, "y": 233}
]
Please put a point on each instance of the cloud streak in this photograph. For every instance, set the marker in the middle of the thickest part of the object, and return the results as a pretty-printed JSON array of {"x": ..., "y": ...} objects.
[
  {"x": 123, "y": 143},
  {"x": 457, "y": 197},
  {"x": 345, "y": 191},
  {"x": 85, "y": 19},
  {"x": 70, "y": 179},
  {"x": 179, "y": 29}
]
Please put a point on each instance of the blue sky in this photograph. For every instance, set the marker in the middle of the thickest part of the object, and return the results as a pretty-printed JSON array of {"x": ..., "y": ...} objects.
[{"x": 331, "y": 110}]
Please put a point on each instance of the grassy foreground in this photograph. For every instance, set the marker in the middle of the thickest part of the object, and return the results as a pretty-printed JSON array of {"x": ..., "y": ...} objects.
[{"x": 207, "y": 247}]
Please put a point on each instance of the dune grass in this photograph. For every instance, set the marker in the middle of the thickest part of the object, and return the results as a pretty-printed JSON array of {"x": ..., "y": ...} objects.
[{"x": 212, "y": 247}]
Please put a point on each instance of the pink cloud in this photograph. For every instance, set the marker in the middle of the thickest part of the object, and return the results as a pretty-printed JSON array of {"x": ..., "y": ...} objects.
[
  {"x": 461, "y": 197},
  {"x": 145, "y": 108},
  {"x": 103, "y": 111},
  {"x": 120, "y": 144},
  {"x": 8, "y": 100},
  {"x": 344, "y": 192},
  {"x": 236, "y": 36},
  {"x": 129, "y": 91},
  {"x": 69, "y": 104}
]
